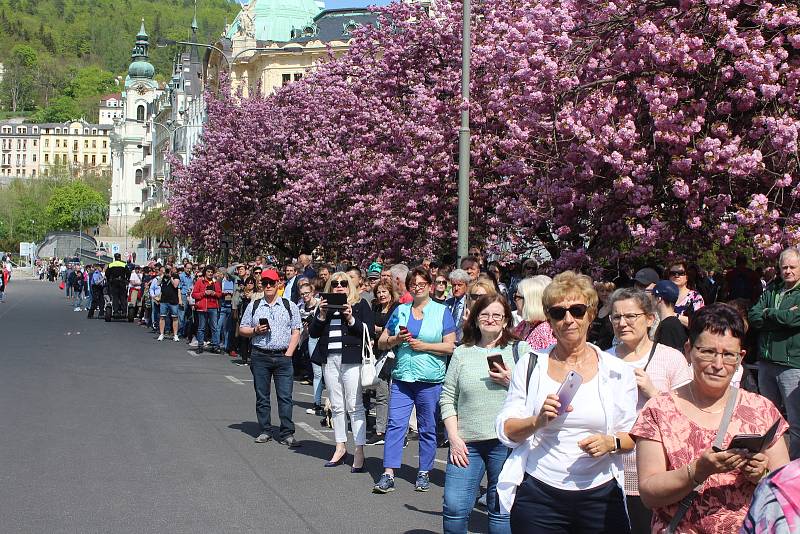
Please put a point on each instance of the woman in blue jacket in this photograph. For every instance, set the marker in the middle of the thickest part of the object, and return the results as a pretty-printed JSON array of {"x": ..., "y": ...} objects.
[{"x": 422, "y": 335}]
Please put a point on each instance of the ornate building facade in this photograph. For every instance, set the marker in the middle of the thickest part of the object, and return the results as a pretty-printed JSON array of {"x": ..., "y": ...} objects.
[{"x": 131, "y": 154}]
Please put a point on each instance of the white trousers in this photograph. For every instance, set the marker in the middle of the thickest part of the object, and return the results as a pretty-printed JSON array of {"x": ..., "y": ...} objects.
[{"x": 343, "y": 381}]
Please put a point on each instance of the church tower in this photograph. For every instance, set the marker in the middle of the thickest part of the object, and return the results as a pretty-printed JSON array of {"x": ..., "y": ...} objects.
[{"x": 131, "y": 155}]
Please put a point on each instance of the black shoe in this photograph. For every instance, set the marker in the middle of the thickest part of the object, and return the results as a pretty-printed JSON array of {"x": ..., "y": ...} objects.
[
  {"x": 199, "y": 350},
  {"x": 376, "y": 439},
  {"x": 289, "y": 441},
  {"x": 214, "y": 350},
  {"x": 319, "y": 411}
]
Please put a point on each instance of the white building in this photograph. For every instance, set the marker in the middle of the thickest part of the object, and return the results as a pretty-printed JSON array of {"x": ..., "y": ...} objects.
[
  {"x": 111, "y": 108},
  {"x": 131, "y": 155}
]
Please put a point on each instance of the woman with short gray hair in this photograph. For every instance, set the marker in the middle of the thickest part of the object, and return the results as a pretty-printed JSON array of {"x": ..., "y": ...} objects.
[{"x": 658, "y": 368}]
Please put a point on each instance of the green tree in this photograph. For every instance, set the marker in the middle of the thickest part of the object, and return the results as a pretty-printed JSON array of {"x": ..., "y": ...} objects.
[
  {"x": 18, "y": 79},
  {"x": 73, "y": 204},
  {"x": 62, "y": 109}
]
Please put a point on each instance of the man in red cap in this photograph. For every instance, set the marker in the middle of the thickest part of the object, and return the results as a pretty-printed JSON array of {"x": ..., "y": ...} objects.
[{"x": 274, "y": 324}]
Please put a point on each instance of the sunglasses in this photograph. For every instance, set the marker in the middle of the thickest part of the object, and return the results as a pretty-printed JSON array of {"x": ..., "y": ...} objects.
[
  {"x": 677, "y": 273},
  {"x": 474, "y": 296},
  {"x": 559, "y": 312},
  {"x": 338, "y": 283},
  {"x": 268, "y": 283},
  {"x": 304, "y": 294},
  {"x": 441, "y": 282}
]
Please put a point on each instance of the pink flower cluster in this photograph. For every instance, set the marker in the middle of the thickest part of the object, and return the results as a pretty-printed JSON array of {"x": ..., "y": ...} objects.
[{"x": 599, "y": 130}]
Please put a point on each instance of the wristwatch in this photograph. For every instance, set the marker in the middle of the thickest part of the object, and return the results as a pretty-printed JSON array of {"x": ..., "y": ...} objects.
[{"x": 617, "y": 444}]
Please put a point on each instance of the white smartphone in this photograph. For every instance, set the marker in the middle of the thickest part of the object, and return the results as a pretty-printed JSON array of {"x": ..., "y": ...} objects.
[{"x": 569, "y": 387}]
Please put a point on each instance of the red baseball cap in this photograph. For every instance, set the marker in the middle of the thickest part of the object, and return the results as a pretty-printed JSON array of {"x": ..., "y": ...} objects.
[{"x": 270, "y": 274}]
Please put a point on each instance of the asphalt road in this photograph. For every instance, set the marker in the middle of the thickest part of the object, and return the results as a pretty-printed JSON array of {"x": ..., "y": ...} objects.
[{"x": 103, "y": 429}]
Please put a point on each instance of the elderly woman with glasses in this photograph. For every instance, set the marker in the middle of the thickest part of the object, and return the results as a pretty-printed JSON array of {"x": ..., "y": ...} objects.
[
  {"x": 422, "y": 335},
  {"x": 567, "y": 416},
  {"x": 658, "y": 368},
  {"x": 474, "y": 390},
  {"x": 676, "y": 436},
  {"x": 534, "y": 327},
  {"x": 340, "y": 351}
]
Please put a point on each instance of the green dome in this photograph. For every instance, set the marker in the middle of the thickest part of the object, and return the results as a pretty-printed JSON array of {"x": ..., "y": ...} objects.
[
  {"x": 141, "y": 69},
  {"x": 273, "y": 20}
]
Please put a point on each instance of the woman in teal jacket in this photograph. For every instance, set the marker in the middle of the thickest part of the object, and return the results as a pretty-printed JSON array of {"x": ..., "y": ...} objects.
[{"x": 422, "y": 335}]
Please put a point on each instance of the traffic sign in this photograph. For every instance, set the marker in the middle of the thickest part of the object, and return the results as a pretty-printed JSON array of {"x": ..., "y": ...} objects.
[{"x": 165, "y": 244}]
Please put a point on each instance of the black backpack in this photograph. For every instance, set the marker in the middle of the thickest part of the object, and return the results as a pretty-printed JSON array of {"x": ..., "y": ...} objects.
[{"x": 285, "y": 301}]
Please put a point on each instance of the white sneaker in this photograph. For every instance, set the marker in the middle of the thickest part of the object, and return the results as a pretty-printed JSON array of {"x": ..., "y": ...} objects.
[
  {"x": 193, "y": 344},
  {"x": 161, "y": 337},
  {"x": 175, "y": 338},
  {"x": 206, "y": 344},
  {"x": 77, "y": 309}
]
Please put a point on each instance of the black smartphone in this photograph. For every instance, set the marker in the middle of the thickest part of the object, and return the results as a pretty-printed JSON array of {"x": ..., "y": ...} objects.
[
  {"x": 263, "y": 321},
  {"x": 336, "y": 301},
  {"x": 753, "y": 443},
  {"x": 495, "y": 359}
]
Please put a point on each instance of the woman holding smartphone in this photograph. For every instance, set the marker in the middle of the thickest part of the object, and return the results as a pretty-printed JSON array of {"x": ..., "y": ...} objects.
[
  {"x": 469, "y": 405},
  {"x": 565, "y": 473},
  {"x": 340, "y": 350},
  {"x": 422, "y": 334}
]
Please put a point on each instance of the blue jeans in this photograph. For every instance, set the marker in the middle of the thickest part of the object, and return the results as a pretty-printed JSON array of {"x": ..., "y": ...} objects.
[
  {"x": 208, "y": 318},
  {"x": 781, "y": 385},
  {"x": 78, "y": 299},
  {"x": 182, "y": 317},
  {"x": 461, "y": 488},
  {"x": 224, "y": 326},
  {"x": 318, "y": 383},
  {"x": 277, "y": 367},
  {"x": 403, "y": 397}
]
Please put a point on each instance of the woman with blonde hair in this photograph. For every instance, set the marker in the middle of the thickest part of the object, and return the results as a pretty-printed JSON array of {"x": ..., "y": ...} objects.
[
  {"x": 534, "y": 327},
  {"x": 339, "y": 351}
]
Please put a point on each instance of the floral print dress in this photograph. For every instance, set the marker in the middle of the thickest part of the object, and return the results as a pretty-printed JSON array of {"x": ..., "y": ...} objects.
[{"x": 722, "y": 503}]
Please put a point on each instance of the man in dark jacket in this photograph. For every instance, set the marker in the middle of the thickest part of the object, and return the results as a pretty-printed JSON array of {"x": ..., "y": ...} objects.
[
  {"x": 777, "y": 315},
  {"x": 117, "y": 279}
]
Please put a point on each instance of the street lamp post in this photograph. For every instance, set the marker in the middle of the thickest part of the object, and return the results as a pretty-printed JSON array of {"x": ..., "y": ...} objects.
[{"x": 464, "y": 139}]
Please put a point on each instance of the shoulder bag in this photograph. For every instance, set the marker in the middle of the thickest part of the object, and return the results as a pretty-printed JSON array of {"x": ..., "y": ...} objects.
[
  {"x": 686, "y": 502},
  {"x": 369, "y": 371}
]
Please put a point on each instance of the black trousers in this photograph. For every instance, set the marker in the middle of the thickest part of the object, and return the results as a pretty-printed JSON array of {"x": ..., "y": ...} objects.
[
  {"x": 540, "y": 508},
  {"x": 97, "y": 300},
  {"x": 118, "y": 299}
]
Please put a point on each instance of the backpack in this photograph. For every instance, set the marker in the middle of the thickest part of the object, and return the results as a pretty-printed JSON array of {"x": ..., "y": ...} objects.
[{"x": 284, "y": 301}]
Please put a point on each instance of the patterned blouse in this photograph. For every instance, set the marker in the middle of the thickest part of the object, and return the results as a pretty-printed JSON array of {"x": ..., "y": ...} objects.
[
  {"x": 693, "y": 299},
  {"x": 776, "y": 504},
  {"x": 539, "y": 335},
  {"x": 721, "y": 506}
]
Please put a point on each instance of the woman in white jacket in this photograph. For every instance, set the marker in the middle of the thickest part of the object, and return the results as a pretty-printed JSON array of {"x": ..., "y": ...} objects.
[{"x": 564, "y": 473}]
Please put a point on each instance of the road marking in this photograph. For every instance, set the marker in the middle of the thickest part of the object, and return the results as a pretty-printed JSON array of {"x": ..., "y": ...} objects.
[
  {"x": 438, "y": 461},
  {"x": 234, "y": 379},
  {"x": 304, "y": 393},
  {"x": 316, "y": 433}
]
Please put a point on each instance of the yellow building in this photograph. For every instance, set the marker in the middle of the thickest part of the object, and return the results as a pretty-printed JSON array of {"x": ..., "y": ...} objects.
[
  {"x": 261, "y": 48},
  {"x": 77, "y": 145}
]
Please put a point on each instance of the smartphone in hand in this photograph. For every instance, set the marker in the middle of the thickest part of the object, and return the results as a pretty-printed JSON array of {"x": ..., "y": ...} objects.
[
  {"x": 568, "y": 390},
  {"x": 403, "y": 330},
  {"x": 495, "y": 359},
  {"x": 263, "y": 321}
]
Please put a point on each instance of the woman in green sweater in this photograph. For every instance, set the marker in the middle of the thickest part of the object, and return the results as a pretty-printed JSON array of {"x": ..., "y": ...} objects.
[{"x": 473, "y": 393}]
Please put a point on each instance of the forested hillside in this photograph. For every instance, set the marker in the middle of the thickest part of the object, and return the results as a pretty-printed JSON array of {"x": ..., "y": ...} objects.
[{"x": 46, "y": 44}]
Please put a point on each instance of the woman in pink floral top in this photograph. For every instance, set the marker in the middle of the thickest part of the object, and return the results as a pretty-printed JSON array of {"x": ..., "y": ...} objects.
[
  {"x": 675, "y": 431},
  {"x": 534, "y": 327}
]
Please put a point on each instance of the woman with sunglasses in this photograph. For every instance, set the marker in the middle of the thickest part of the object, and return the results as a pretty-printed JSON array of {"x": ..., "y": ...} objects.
[
  {"x": 439, "y": 289},
  {"x": 565, "y": 472},
  {"x": 658, "y": 368},
  {"x": 676, "y": 430},
  {"x": 483, "y": 285},
  {"x": 339, "y": 351},
  {"x": 422, "y": 335},
  {"x": 473, "y": 393},
  {"x": 533, "y": 328},
  {"x": 689, "y": 300}
]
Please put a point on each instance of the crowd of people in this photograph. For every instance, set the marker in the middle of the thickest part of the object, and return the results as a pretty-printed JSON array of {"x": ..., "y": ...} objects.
[{"x": 615, "y": 405}]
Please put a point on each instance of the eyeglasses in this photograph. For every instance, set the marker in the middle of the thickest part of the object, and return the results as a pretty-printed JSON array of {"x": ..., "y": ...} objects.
[
  {"x": 629, "y": 317},
  {"x": 475, "y": 296},
  {"x": 559, "y": 312},
  {"x": 708, "y": 354},
  {"x": 677, "y": 273},
  {"x": 268, "y": 283},
  {"x": 339, "y": 283},
  {"x": 439, "y": 282},
  {"x": 495, "y": 317},
  {"x": 518, "y": 297},
  {"x": 419, "y": 285},
  {"x": 305, "y": 294}
]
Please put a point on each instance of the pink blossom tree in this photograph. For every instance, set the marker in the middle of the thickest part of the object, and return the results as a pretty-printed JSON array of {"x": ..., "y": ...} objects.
[{"x": 602, "y": 130}]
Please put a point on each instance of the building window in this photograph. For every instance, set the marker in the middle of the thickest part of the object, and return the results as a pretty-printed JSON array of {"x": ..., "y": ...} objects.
[
  {"x": 86, "y": 159},
  {"x": 75, "y": 145},
  {"x": 34, "y": 143},
  {"x": 74, "y": 158},
  {"x": 94, "y": 143},
  {"x": 140, "y": 113},
  {"x": 86, "y": 143},
  {"x": 105, "y": 144},
  {"x": 34, "y": 158},
  {"x": 58, "y": 130},
  {"x": 286, "y": 78},
  {"x": 138, "y": 176},
  {"x": 47, "y": 158},
  {"x": 58, "y": 143},
  {"x": 298, "y": 76},
  {"x": 94, "y": 160},
  {"x": 22, "y": 130},
  {"x": 104, "y": 158}
]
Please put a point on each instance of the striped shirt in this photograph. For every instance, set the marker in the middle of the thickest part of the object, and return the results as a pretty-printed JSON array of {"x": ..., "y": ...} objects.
[{"x": 335, "y": 335}]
